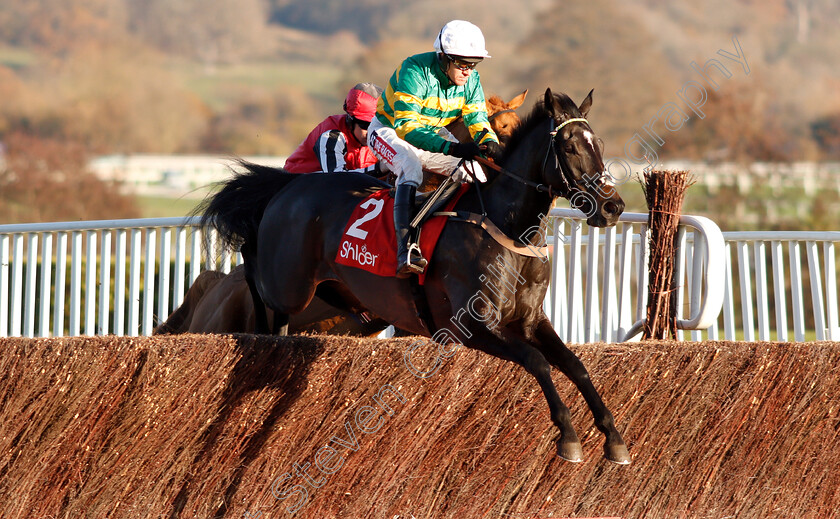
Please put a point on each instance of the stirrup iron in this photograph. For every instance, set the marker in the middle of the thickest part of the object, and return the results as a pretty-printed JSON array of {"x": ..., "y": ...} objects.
[{"x": 420, "y": 265}]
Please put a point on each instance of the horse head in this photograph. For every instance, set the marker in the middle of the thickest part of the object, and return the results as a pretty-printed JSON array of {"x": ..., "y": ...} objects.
[
  {"x": 503, "y": 116},
  {"x": 579, "y": 172}
]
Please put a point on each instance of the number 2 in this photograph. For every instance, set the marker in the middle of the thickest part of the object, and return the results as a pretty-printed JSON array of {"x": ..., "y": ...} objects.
[{"x": 355, "y": 230}]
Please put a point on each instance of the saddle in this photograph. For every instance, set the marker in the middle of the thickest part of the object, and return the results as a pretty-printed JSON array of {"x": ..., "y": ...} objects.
[{"x": 431, "y": 201}]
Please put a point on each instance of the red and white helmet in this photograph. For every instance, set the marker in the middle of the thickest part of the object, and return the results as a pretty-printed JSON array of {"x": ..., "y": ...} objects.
[
  {"x": 361, "y": 101},
  {"x": 462, "y": 39}
]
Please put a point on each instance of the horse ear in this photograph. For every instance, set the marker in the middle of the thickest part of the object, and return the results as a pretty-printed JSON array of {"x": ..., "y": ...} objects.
[
  {"x": 550, "y": 103},
  {"x": 517, "y": 101},
  {"x": 586, "y": 104}
]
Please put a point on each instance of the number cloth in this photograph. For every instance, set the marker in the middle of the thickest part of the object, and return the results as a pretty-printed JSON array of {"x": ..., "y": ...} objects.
[{"x": 369, "y": 238}]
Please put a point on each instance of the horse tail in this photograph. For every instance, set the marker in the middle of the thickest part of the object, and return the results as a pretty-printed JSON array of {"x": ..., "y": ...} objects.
[{"x": 237, "y": 209}]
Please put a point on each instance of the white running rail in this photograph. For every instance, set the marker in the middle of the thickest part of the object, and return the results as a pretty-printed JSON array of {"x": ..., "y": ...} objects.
[
  {"x": 593, "y": 296},
  {"x": 792, "y": 281},
  {"x": 583, "y": 313},
  {"x": 33, "y": 291},
  {"x": 752, "y": 290}
]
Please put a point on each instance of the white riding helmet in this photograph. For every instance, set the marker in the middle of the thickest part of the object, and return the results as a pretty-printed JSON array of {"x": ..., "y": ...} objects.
[{"x": 461, "y": 38}]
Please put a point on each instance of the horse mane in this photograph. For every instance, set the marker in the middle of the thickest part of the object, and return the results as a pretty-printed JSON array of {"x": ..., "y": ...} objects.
[{"x": 536, "y": 117}]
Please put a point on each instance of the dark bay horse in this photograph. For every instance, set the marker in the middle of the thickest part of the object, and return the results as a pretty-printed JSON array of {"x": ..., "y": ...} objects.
[
  {"x": 290, "y": 227},
  {"x": 219, "y": 303}
]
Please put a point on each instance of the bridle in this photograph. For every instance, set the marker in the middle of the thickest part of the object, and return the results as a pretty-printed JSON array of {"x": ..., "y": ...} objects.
[
  {"x": 558, "y": 160},
  {"x": 543, "y": 188},
  {"x": 500, "y": 112}
]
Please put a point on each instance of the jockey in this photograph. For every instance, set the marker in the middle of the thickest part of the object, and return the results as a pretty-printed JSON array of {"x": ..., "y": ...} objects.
[
  {"x": 427, "y": 92},
  {"x": 339, "y": 143}
]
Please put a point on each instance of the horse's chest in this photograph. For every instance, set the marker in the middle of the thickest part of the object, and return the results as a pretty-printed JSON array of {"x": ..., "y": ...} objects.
[{"x": 514, "y": 283}]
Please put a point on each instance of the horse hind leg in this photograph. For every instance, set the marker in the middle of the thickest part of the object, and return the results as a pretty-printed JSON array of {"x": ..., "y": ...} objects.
[
  {"x": 553, "y": 348},
  {"x": 260, "y": 316}
]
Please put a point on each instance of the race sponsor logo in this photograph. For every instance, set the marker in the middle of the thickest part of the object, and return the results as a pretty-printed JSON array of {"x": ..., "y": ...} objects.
[
  {"x": 383, "y": 149},
  {"x": 360, "y": 255}
]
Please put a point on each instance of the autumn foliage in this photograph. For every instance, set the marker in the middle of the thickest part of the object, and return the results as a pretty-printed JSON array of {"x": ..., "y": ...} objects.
[{"x": 47, "y": 180}]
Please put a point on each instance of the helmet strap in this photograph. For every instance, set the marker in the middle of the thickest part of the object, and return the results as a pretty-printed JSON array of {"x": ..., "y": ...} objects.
[
  {"x": 443, "y": 60},
  {"x": 445, "y": 63},
  {"x": 351, "y": 125}
]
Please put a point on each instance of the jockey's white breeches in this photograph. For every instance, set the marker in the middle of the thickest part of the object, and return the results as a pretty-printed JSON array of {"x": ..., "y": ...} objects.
[{"x": 406, "y": 161}]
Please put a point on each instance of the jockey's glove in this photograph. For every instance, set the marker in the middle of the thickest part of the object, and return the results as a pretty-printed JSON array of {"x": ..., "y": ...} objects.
[
  {"x": 492, "y": 150},
  {"x": 464, "y": 150}
]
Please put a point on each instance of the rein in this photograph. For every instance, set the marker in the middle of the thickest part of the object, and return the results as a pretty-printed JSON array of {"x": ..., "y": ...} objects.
[
  {"x": 542, "y": 188},
  {"x": 482, "y": 221},
  {"x": 530, "y": 183}
]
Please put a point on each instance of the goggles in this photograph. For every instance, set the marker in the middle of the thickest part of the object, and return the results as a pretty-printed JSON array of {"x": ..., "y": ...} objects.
[
  {"x": 361, "y": 124},
  {"x": 462, "y": 64}
]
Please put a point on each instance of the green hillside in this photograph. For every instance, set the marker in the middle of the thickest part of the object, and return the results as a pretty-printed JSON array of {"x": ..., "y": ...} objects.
[{"x": 253, "y": 77}]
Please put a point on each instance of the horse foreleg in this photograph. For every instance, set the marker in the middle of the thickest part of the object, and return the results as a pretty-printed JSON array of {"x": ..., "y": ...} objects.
[
  {"x": 565, "y": 360},
  {"x": 535, "y": 363}
]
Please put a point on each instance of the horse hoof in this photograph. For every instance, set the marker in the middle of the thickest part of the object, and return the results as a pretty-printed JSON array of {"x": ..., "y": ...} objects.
[
  {"x": 617, "y": 454},
  {"x": 572, "y": 452}
]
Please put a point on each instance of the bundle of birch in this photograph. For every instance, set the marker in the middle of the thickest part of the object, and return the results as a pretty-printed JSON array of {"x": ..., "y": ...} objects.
[{"x": 664, "y": 193}]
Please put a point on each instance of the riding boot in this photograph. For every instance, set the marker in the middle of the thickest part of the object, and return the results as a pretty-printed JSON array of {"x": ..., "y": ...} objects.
[{"x": 409, "y": 259}]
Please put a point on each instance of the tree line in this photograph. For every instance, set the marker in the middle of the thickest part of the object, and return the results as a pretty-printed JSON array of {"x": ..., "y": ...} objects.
[{"x": 252, "y": 77}]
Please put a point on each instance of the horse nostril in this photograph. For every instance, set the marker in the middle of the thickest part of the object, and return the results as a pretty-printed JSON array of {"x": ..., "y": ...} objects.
[{"x": 611, "y": 208}]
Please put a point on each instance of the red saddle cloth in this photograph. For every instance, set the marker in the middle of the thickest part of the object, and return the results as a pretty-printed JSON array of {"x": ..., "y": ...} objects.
[{"x": 369, "y": 241}]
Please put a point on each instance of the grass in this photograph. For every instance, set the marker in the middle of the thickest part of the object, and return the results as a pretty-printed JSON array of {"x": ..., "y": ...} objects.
[{"x": 223, "y": 83}]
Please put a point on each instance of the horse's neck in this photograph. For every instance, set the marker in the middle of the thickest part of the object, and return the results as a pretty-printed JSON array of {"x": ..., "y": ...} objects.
[
  {"x": 517, "y": 209},
  {"x": 514, "y": 206}
]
